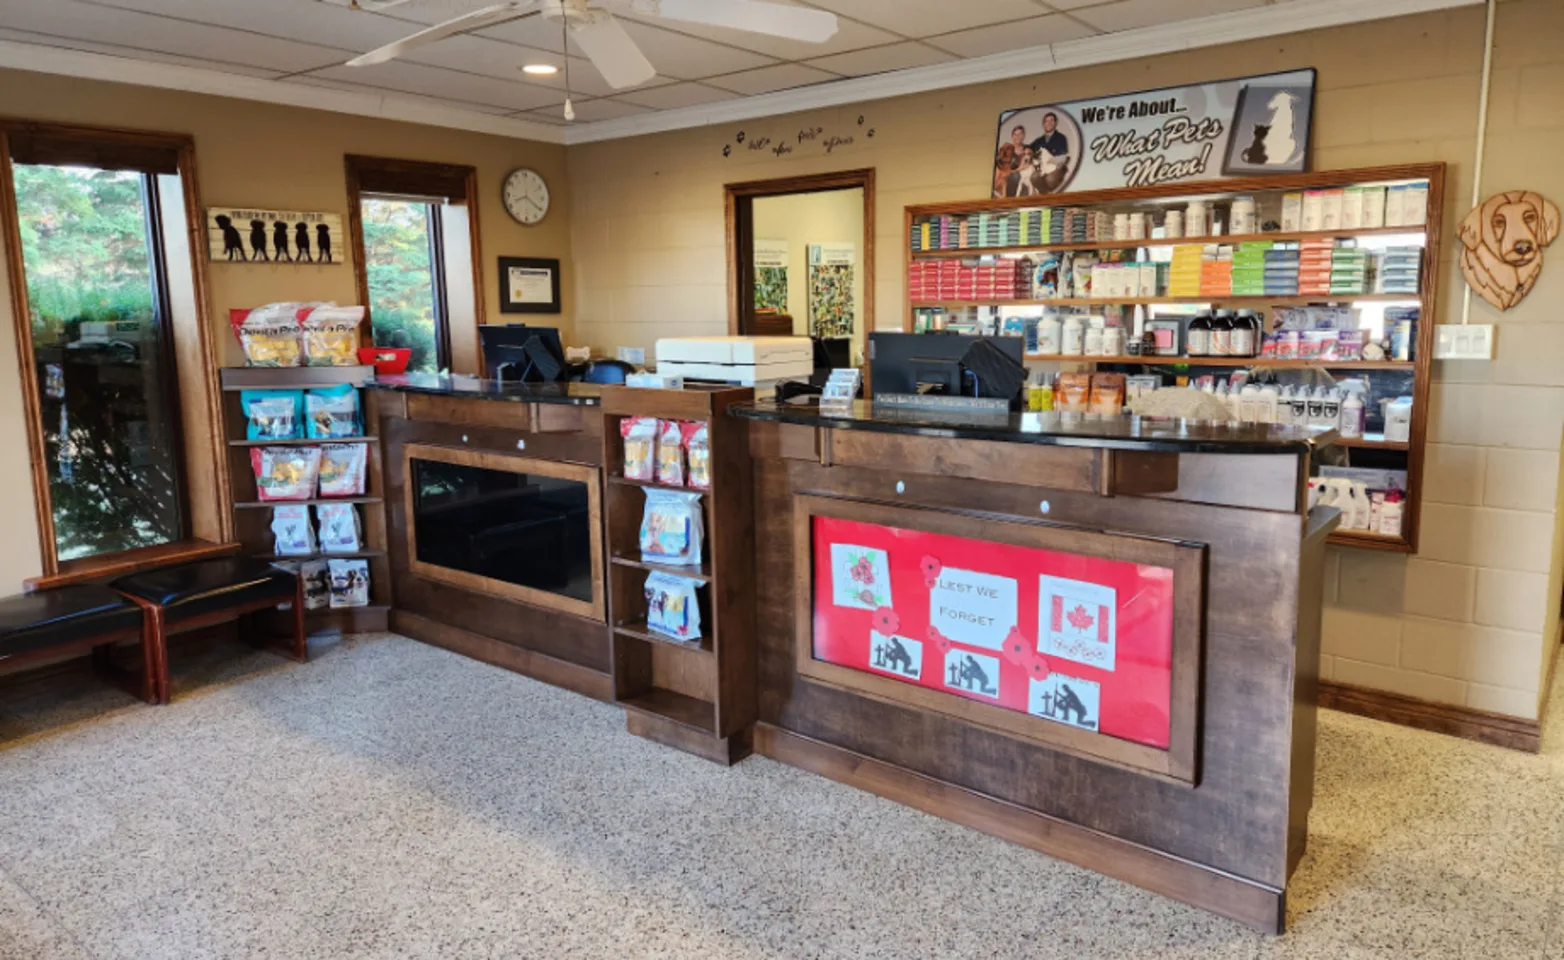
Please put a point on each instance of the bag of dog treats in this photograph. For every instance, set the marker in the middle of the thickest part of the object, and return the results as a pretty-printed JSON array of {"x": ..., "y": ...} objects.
[
  {"x": 272, "y": 414},
  {"x": 671, "y": 528},
  {"x": 339, "y": 531},
  {"x": 331, "y": 335},
  {"x": 317, "y": 584},
  {"x": 697, "y": 446},
  {"x": 332, "y": 412},
  {"x": 640, "y": 439},
  {"x": 270, "y": 335},
  {"x": 342, "y": 468},
  {"x": 285, "y": 473},
  {"x": 670, "y": 454},
  {"x": 291, "y": 528},
  {"x": 671, "y": 607},
  {"x": 349, "y": 583}
]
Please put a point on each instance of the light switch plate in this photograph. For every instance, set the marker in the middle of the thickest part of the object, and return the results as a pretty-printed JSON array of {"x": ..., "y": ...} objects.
[{"x": 1463, "y": 341}]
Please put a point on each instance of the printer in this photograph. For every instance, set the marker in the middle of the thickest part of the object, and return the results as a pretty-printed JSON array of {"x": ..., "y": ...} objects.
[{"x": 741, "y": 361}]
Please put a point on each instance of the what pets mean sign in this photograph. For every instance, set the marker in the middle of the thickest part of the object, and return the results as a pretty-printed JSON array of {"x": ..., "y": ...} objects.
[
  {"x": 247, "y": 235},
  {"x": 1225, "y": 128}
]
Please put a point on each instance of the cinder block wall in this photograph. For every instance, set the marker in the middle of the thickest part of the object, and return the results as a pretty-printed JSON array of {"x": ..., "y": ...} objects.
[{"x": 1468, "y": 621}]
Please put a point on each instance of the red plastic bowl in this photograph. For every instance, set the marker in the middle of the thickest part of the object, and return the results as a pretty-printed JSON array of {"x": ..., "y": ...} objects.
[{"x": 387, "y": 360}]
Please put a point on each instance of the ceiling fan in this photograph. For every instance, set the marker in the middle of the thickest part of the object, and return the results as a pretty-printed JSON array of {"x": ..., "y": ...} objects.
[{"x": 591, "y": 24}]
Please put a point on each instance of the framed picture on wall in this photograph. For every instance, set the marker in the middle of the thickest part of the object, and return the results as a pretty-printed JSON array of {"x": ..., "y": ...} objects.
[{"x": 529, "y": 285}]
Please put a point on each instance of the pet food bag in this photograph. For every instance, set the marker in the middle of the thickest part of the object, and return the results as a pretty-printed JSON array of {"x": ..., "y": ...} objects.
[
  {"x": 339, "y": 531},
  {"x": 270, "y": 335},
  {"x": 285, "y": 473},
  {"x": 697, "y": 446},
  {"x": 272, "y": 414},
  {"x": 671, "y": 528},
  {"x": 670, "y": 454},
  {"x": 671, "y": 606},
  {"x": 291, "y": 527},
  {"x": 331, "y": 335},
  {"x": 349, "y": 583},
  {"x": 317, "y": 584},
  {"x": 640, "y": 438},
  {"x": 332, "y": 412},
  {"x": 342, "y": 469}
]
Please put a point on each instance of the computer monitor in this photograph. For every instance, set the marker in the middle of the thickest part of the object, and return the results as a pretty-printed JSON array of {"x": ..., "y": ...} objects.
[
  {"x": 523, "y": 353},
  {"x": 931, "y": 363}
]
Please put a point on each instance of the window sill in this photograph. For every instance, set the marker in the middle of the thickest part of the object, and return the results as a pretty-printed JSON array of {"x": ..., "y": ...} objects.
[{"x": 130, "y": 561}]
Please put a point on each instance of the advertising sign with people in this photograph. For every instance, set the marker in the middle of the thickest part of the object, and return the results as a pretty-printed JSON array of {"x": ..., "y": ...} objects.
[
  {"x": 1226, "y": 128},
  {"x": 1074, "y": 639}
]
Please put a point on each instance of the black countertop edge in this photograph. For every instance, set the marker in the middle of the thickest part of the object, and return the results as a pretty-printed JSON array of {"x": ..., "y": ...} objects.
[
  {"x": 573, "y": 394},
  {"x": 1056, "y": 429}
]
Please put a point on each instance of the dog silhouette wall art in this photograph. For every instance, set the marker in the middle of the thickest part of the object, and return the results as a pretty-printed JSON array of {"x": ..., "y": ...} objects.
[
  {"x": 274, "y": 237},
  {"x": 1502, "y": 241}
]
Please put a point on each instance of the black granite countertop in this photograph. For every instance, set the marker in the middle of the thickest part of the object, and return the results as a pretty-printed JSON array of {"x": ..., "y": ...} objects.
[
  {"x": 1125, "y": 432},
  {"x": 460, "y": 385}
]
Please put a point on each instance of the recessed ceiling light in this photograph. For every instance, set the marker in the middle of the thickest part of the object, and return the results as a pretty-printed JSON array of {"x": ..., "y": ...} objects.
[{"x": 540, "y": 69}]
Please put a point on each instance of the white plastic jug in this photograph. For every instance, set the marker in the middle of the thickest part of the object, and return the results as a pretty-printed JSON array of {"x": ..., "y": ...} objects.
[{"x": 1398, "y": 419}]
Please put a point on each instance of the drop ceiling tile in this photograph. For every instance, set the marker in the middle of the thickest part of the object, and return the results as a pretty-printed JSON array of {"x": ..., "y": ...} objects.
[
  {"x": 314, "y": 81},
  {"x": 1131, "y": 14},
  {"x": 895, "y": 56},
  {"x": 850, "y": 35},
  {"x": 783, "y": 76},
  {"x": 532, "y": 31},
  {"x": 1002, "y": 37},
  {"x": 131, "y": 53},
  {"x": 589, "y": 111},
  {"x": 81, "y": 21},
  {"x": 481, "y": 55},
  {"x": 428, "y": 81},
  {"x": 1071, "y": 4},
  {"x": 675, "y": 96},
  {"x": 687, "y": 58},
  {"x": 303, "y": 20},
  {"x": 922, "y": 18}
]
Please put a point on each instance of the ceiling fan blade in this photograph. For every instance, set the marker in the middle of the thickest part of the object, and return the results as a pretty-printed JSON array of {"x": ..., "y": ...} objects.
[
  {"x": 477, "y": 20},
  {"x": 612, "y": 52},
  {"x": 754, "y": 16}
]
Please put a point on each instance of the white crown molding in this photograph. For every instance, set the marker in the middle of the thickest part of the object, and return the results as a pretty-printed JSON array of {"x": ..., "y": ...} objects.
[
  {"x": 99, "y": 66},
  {"x": 1291, "y": 16},
  {"x": 1284, "y": 16}
]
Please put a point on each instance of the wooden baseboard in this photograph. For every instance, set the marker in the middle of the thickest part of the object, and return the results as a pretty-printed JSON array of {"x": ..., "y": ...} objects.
[
  {"x": 725, "y": 750},
  {"x": 1463, "y": 722},
  {"x": 529, "y": 663},
  {"x": 1249, "y": 903}
]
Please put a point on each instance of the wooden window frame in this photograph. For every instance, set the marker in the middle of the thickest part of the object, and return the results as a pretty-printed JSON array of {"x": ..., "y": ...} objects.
[
  {"x": 594, "y": 609},
  {"x": 385, "y": 176},
  {"x": 1179, "y": 763},
  {"x": 197, "y": 398}
]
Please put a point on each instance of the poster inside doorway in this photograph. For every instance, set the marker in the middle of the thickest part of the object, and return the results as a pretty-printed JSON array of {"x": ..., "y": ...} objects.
[
  {"x": 1070, "y": 638},
  {"x": 771, "y": 276},
  {"x": 832, "y": 312}
]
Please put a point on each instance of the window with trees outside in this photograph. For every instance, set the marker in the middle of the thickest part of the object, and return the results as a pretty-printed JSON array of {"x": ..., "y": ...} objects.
[
  {"x": 102, "y": 355},
  {"x": 403, "y": 260}
]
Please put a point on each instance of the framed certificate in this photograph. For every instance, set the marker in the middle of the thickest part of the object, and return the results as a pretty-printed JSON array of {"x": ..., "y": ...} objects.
[{"x": 529, "y": 285}]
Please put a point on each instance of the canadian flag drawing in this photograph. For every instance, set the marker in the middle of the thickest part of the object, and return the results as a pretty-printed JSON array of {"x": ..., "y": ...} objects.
[{"x": 1077, "y": 621}]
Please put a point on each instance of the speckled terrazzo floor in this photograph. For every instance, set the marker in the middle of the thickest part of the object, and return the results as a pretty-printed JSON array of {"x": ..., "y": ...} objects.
[{"x": 393, "y": 800}]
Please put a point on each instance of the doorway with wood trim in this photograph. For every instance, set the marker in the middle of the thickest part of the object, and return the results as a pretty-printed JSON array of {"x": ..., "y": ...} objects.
[{"x": 801, "y": 260}]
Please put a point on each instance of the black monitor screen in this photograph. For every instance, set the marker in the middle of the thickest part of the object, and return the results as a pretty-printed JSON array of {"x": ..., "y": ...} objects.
[{"x": 900, "y": 362}]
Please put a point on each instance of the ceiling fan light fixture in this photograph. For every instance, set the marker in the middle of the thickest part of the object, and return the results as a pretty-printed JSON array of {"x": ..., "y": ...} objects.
[{"x": 540, "y": 69}]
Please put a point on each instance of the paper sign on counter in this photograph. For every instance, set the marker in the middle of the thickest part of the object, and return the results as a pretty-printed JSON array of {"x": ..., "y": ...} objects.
[{"x": 974, "y": 608}]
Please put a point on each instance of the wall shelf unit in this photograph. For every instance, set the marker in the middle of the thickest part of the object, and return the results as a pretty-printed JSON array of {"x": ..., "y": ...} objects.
[
  {"x": 252, "y": 516},
  {"x": 1385, "y": 377},
  {"x": 697, "y": 695}
]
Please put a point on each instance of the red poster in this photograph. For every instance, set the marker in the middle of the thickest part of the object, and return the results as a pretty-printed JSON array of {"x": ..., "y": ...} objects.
[{"x": 1071, "y": 638}]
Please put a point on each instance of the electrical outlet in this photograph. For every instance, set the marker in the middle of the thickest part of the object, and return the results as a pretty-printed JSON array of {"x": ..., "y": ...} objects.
[
  {"x": 633, "y": 355},
  {"x": 1463, "y": 341}
]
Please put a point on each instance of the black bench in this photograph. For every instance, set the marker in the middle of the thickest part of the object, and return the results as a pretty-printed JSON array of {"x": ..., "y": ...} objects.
[
  {"x": 45, "y": 625},
  {"x": 195, "y": 595}
]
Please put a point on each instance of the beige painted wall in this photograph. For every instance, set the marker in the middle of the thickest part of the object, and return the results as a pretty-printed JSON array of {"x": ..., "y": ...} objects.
[
  {"x": 271, "y": 157},
  {"x": 1468, "y": 621},
  {"x": 829, "y": 216}
]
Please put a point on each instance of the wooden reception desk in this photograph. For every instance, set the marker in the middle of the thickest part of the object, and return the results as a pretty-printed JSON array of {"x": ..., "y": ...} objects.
[{"x": 1098, "y": 638}]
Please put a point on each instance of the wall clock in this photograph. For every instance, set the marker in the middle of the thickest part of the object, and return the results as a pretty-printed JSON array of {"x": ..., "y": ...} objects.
[{"x": 526, "y": 196}]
